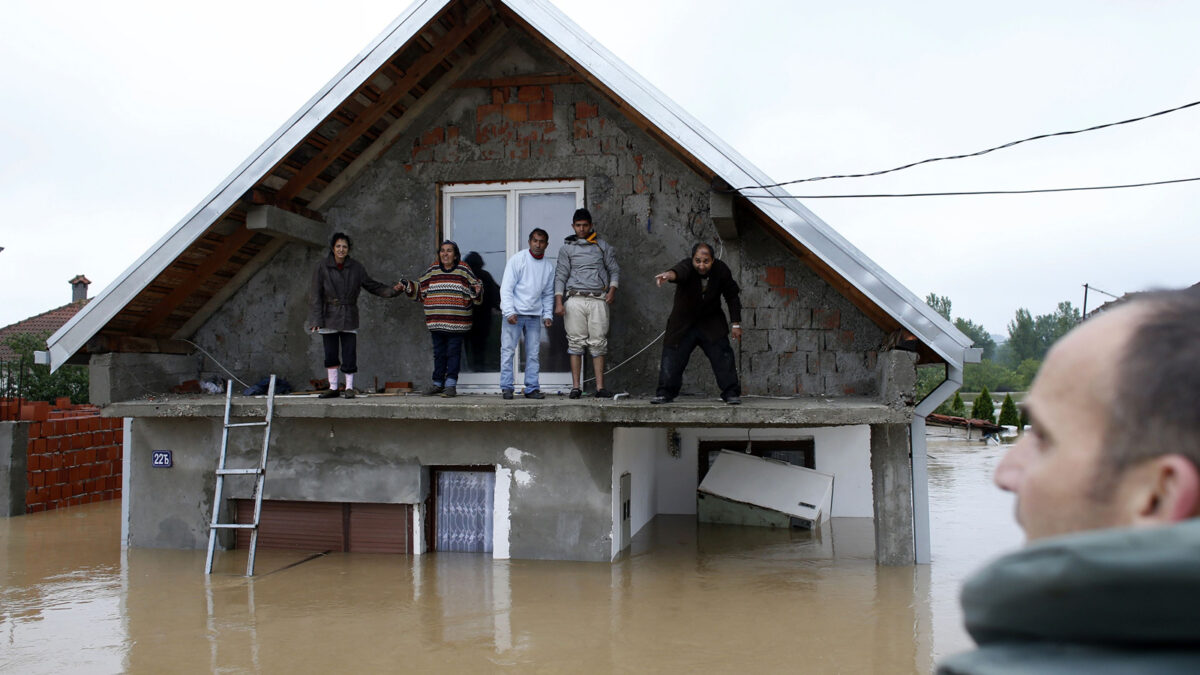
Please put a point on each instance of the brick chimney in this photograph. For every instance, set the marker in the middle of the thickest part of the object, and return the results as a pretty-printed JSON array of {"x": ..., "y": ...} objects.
[{"x": 79, "y": 287}]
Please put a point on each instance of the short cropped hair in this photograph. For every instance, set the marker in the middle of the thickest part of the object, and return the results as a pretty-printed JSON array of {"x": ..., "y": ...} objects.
[
  {"x": 702, "y": 244},
  {"x": 340, "y": 235},
  {"x": 537, "y": 231},
  {"x": 581, "y": 214},
  {"x": 1153, "y": 409}
]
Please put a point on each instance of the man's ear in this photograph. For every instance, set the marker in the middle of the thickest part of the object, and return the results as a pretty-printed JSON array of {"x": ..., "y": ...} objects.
[{"x": 1168, "y": 492}]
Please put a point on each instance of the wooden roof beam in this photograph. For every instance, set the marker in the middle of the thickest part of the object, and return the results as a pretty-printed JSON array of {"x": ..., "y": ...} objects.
[
  {"x": 404, "y": 120},
  {"x": 520, "y": 81},
  {"x": 211, "y": 264},
  {"x": 420, "y": 68}
]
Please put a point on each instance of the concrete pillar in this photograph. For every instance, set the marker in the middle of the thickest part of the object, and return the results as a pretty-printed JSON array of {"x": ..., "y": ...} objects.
[
  {"x": 891, "y": 481},
  {"x": 14, "y": 439}
]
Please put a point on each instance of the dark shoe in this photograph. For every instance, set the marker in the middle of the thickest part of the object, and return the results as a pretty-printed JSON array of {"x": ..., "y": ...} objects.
[
  {"x": 434, "y": 390},
  {"x": 506, "y": 394},
  {"x": 449, "y": 392},
  {"x": 575, "y": 393},
  {"x": 662, "y": 399},
  {"x": 603, "y": 393},
  {"x": 535, "y": 394},
  {"x": 733, "y": 400},
  {"x": 328, "y": 393},
  {"x": 349, "y": 393}
]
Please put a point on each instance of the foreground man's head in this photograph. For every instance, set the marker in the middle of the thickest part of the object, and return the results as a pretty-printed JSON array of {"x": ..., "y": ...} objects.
[{"x": 1115, "y": 438}]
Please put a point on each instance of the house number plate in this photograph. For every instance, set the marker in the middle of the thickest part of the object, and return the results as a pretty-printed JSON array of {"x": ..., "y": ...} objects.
[{"x": 161, "y": 459}]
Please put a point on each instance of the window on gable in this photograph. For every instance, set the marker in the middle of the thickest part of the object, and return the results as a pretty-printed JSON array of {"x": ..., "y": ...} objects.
[{"x": 491, "y": 222}]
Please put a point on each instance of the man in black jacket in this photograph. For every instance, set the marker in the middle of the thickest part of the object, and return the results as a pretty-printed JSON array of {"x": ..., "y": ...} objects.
[{"x": 698, "y": 320}]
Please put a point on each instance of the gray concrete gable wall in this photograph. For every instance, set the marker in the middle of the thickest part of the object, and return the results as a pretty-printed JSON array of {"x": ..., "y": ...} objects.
[{"x": 801, "y": 336}]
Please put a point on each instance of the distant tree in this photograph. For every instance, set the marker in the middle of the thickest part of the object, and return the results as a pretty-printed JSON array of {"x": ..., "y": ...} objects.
[
  {"x": 1023, "y": 342},
  {"x": 990, "y": 374},
  {"x": 928, "y": 378},
  {"x": 979, "y": 336},
  {"x": 1025, "y": 372},
  {"x": 1050, "y": 327},
  {"x": 983, "y": 408},
  {"x": 1008, "y": 412},
  {"x": 37, "y": 383},
  {"x": 957, "y": 407},
  {"x": 940, "y": 304}
]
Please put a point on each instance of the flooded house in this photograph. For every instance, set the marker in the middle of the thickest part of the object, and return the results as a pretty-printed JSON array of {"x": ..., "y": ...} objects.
[{"x": 478, "y": 120}]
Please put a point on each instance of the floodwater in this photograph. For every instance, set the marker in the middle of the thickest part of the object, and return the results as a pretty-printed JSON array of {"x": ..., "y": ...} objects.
[{"x": 688, "y": 598}]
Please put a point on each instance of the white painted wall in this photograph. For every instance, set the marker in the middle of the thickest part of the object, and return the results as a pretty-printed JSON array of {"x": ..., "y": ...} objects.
[
  {"x": 677, "y": 475},
  {"x": 843, "y": 452},
  {"x": 501, "y": 512},
  {"x": 634, "y": 452}
]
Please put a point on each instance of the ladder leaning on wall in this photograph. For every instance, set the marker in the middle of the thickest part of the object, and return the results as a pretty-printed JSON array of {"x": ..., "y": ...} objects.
[{"x": 260, "y": 473}]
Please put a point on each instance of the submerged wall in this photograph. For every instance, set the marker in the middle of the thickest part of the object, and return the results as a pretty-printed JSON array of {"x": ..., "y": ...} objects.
[{"x": 559, "y": 493}]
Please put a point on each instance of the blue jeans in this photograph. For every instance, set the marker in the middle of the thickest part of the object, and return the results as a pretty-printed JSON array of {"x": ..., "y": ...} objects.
[
  {"x": 447, "y": 352},
  {"x": 510, "y": 334}
]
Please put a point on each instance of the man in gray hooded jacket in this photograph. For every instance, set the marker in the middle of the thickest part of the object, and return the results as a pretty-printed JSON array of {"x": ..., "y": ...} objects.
[
  {"x": 1108, "y": 492},
  {"x": 585, "y": 283}
]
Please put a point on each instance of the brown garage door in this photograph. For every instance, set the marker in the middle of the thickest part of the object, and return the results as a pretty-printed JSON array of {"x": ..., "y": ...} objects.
[{"x": 329, "y": 526}]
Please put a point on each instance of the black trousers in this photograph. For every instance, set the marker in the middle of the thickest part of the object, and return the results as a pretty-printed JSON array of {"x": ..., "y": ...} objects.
[
  {"x": 675, "y": 360},
  {"x": 349, "y": 342}
]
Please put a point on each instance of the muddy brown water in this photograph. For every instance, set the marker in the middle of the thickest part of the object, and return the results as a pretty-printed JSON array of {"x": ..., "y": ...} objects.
[{"x": 688, "y": 598}]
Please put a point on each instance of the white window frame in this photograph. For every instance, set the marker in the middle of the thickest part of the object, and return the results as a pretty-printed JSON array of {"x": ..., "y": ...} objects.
[{"x": 512, "y": 190}]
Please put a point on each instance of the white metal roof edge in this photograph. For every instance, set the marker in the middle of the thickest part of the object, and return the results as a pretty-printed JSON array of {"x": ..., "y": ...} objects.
[
  {"x": 76, "y": 332},
  {"x": 816, "y": 235}
]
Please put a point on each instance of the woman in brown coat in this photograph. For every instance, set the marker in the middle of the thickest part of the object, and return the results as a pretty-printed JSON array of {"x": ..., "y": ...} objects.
[{"x": 333, "y": 311}]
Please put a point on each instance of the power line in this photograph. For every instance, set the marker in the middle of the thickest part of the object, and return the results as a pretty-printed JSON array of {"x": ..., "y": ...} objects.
[
  {"x": 978, "y": 192},
  {"x": 971, "y": 154}
]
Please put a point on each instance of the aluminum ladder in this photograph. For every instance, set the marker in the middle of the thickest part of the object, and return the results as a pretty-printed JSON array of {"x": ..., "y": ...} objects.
[{"x": 260, "y": 473}]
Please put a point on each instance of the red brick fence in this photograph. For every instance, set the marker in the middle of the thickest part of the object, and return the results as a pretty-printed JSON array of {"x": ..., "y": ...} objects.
[{"x": 72, "y": 455}]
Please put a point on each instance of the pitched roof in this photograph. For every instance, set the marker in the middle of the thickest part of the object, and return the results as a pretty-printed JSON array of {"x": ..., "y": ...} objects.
[
  {"x": 40, "y": 324},
  {"x": 173, "y": 287}
]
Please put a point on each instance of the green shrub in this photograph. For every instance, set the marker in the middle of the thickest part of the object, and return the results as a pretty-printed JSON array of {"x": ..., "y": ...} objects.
[
  {"x": 957, "y": 407},
  {"x": 983, "y": 408},
  {"x": 21, "y": 378},
  {"x": 1008, "y": 412}
]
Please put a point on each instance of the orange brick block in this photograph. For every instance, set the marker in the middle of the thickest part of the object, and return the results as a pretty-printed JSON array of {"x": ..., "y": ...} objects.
[
  {"x": 529, "y": 94},
  {"x": 585, "y": 110}
]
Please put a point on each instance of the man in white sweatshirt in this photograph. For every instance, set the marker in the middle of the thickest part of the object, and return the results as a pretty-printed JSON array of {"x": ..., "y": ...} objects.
[{"x": 526, "y": 301}]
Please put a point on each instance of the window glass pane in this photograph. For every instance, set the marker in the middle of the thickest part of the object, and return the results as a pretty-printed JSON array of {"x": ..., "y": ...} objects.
[
  {"x": 551, "y": 212},
  {"x": 479, "y": 226}
]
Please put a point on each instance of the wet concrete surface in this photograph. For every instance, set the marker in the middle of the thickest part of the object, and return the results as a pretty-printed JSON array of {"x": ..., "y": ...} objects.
[{"x": 688, "y": 597}]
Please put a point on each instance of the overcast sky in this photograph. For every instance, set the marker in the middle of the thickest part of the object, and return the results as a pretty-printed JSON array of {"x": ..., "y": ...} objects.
[{"x": 119, "y": 117}]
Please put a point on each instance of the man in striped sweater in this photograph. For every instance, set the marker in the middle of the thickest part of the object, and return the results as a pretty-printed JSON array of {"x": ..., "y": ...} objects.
[{"x": 448, "y": 289}]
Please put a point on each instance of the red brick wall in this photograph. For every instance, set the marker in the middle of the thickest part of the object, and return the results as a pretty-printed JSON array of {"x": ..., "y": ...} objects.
[{"x": 73, "y": 457}]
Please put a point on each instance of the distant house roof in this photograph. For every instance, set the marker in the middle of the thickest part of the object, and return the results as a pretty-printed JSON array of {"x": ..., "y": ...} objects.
[
  {"x": 45, "y": 323},
  {"x": 172, "y": 288},
  {"x": 1113, "y": 304}
]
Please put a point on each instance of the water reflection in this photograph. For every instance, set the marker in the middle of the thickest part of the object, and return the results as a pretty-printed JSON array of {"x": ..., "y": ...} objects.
[{"x": 686, "y": 597}]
